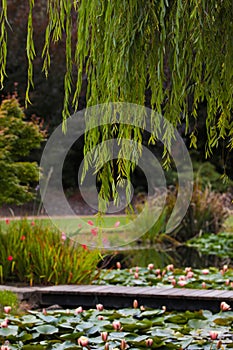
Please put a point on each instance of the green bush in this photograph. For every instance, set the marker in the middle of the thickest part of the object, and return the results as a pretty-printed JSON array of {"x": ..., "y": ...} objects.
[
  {"x": 36, "y": 253},
  {"x": 17, "y": 139}
]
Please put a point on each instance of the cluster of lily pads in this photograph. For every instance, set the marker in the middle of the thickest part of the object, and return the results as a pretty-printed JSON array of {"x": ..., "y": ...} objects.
[
  {"x": 211, "y": 278},
  {"x": 128, "y": 328}
]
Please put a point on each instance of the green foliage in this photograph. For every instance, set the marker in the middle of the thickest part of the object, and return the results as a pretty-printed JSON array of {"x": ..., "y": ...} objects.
[
  {"x": 206, "y": 213},
  {"x": 17, "y": 139},
  {"x": 63, "y": 329},
  {"x": 220, "y": 245},
  {"x": 8, "y": 298},
  {"x": 169, "y": 277},
  {"x": 38, "y": 254},
  {"x": 180, "y": 51}
]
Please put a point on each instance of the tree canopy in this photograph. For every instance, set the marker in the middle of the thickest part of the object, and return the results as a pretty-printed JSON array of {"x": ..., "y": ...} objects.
[{"x": 179, "y": 51}]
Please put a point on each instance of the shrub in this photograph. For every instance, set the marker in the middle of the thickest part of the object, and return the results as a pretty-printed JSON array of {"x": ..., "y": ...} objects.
[
  {"x": 36, "y": 253},
  {"x": 17, "y": 139}
]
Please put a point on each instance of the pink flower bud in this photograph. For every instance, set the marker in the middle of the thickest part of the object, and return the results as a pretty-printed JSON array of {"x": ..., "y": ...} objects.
[
  {"x": 44, "y": 312},
  {"x": 225, "y": 268},
  {"x": 136, "y": 275},
  {"x": 224, "y": 306},
  {"x": 123, "y": 345},
  {"x": 205, "y": 272},
  {"x": 99, "y": 307},
  {"x": 173, "y": 282},
  {"x": 79, "y": 310},
  {"x": 118, "y": 265},
  {"x": 188, "y": 269},
  {"x": 150, "y": 266},
  {"x": 149, "y": 342},
  {"x": 116, "y": 325},
  {"x": 164, "y": 308},
  {"x": 137, "y": 269},
  {"x": 170, "y": 267},
  {"x": 117, "y": 224},
  {"x": 203, "y": 285},
  {"x": 227, "y": 282},
  {"x": 181, "y": 283},
  {"x": 104, "y": 336},
  {"x": 106, "y": 346},
  {"x": 190, "y": 274},
  {"x": 157, "y": 271},
  {"x": 83, "y": 341},
  {"x": 182, "y": 278},
  {"x": 100, "y": 317},
  {"x": 135, "y": 304},
  {"x": 4, "y": 323},
  {"x": 213, "y": 335},
  {"x": 7, "y": 309}
]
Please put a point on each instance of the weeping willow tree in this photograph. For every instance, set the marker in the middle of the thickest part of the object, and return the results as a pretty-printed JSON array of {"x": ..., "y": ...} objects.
[{"x": 180, "y": 51}]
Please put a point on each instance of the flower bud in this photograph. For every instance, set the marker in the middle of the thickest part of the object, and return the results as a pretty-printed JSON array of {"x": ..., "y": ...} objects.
[
  {"x": 7, "y": 309},
  {"x": 83, "y": 341},
  {"x": 100, "y": 317},
  {"x": 116, "y": 325},
  {"x": 213, "y": 335},
  {"x": 224, "y": 306},
  {"x": 99, "y": 307},
  {"x": 123, "y": 345},
  {"x": 149, "y": 342},
  {"x": 79, "y": 310},
  {"x": 135, "y": 304},
  {"x": 104, "y": 336},
  {"x": 150, "y": 266},
  {"x": 118, "y": 265},
  {"x": 136, "y": 275}
]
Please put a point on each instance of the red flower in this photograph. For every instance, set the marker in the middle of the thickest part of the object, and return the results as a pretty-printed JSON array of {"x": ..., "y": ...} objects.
[
  {"x": 22, "y": 238},
  {"x": 7, "y": 221},
  {"x": 84, "y": 246},
  {"x": 91, "y": 223},
  {"x": 33, "y": 223},
  {"x": 94, "y": 231},
  {"x": 10, "y": 258}
]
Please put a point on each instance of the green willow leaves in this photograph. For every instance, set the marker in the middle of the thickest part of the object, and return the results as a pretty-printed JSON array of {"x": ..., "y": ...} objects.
[{"x": 181, "y": 51}]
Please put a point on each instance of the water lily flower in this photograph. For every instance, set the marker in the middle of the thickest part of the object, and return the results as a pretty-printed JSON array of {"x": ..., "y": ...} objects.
[
  {"x": 173, "y": 282},
  {"x": 106, "y": 346},
  {"x": 136, "y": 275},
  {"x": 157, "y": 271},
  {"x": 203, "y": 285},
  {"x": 90, "y": 222},
  {"x": 123, "y": 345},
  {"x": 164, "y": 308},
  {"x": 44, "y": 312},
  {"x": 190, "y": 274},
  {"x": 135, "y": 304},
  {"x": 137, "y": 269},
  {"x": 150, "y": 266},
  {"x": 118, "y": 265},
  {"x": 116, "y": 325},
  {"x": 224, "y": 306},
  {"x": 78, "y": 310},
  {"x": 149, "y": 342},
  {"x": 4, "y": 323},
  {"x": 10, "y": 258},
  {"x": 7, "y": 309},
  {"x": 227, "y": 282},
  {"x": 104, "y": 336},
  {"x": 225, "y": 268},
  {"x": 99, "y": 307},
  {"x": 83, "y": 341},
  {"x": 182, "y": 278},
  {"x": 213, "y": 335},
  {"x": 100, "y": 317},
  {"x": 170, "y": 267},
  {"x": 188, "y": 269},
  {"x": 205, "y": 271},
  {"x": 5, "y": 346},
  {"x": 181, "y": 283},
  {"x": 117, "y": 224}
]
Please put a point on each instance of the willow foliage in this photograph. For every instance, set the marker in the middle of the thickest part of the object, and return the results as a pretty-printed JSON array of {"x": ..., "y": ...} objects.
[{"x": 181, "y": 51}]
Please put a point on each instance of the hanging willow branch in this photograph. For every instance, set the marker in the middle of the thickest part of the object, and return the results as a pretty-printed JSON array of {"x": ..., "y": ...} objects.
[{"x": 181, "y": 51}]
